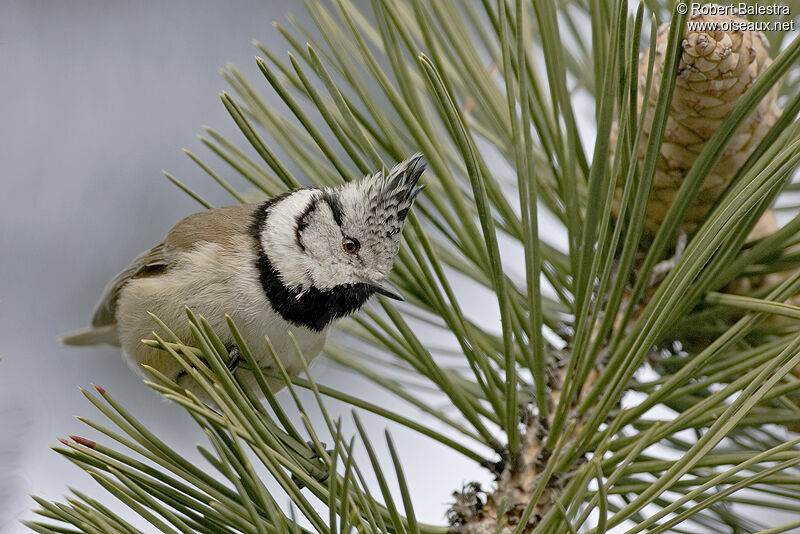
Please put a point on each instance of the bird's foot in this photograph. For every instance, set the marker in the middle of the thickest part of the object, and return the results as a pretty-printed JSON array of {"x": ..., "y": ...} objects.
[
  {"x": 234, "y": 358},
  {"x": 316, "y": 458}
]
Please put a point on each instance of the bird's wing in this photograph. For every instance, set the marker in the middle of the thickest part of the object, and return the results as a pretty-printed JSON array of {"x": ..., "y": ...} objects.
[
  {"x": 216, "y": 225},
  {"x": 104, "y": 322},
  {"x": 150, "y": 263}
]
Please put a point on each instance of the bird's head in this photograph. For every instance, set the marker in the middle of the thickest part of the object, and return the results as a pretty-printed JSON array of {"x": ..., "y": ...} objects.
[{"x": 344, "y": 238}]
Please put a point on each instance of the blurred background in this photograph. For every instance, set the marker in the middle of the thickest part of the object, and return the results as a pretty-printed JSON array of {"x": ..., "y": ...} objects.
[{"x": 97, "y": 98}]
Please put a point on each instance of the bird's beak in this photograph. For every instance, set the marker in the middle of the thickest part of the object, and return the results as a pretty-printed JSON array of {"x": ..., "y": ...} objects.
[{"x": 387, "y": 289}]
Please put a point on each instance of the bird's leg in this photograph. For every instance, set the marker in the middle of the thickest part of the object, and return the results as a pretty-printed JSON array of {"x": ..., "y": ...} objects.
[
  {"x": 315, "y": 456},
  {"x": 234, "y": 357}
]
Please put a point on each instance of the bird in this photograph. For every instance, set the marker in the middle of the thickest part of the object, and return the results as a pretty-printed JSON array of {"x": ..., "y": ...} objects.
[{"x": 287, "y": 266}]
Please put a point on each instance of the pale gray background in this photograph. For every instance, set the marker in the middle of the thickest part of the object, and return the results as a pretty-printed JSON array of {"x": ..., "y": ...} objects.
[{"x": 96, "y": 98}]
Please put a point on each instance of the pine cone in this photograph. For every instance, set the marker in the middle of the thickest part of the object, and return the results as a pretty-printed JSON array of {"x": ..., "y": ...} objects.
[{"x": 715, "y": 69}]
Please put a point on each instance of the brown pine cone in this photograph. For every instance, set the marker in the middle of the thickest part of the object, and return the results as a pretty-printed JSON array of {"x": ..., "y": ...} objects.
[{"x": 715, "y": 69}]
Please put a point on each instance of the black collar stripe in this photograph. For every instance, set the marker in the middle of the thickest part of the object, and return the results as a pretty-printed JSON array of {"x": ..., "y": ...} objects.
[{"x": 309, "y": 307}]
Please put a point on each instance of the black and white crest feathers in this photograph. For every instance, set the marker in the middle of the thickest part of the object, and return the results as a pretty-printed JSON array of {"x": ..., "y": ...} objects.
[
  {"x": 393, "y": 194},
  {"x": 381, "y": 202},
  {"x": 308, "y": 278}
]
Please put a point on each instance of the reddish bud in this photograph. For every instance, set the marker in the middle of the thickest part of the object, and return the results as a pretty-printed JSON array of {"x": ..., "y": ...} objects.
[{"x": 83, "y": 441}]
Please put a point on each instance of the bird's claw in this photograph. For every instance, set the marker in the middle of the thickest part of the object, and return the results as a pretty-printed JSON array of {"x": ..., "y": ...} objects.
[
  {"x": 234, "y": 358},
  {"x": 315, "y": 456}
]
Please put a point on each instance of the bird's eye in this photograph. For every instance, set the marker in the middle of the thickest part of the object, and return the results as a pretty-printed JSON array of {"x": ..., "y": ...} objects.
[{"x": 350, "y": 245}]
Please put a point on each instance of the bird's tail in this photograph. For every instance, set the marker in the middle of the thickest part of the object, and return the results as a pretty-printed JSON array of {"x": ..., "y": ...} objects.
[{"x": 92, "y": 336}]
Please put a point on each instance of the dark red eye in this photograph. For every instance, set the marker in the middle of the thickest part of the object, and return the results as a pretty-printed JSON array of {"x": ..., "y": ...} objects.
[{"x": 350, "y": 245}]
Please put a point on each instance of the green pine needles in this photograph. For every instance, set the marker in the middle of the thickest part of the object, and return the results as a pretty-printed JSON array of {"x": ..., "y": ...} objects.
[{"x": 489, "y": 91}]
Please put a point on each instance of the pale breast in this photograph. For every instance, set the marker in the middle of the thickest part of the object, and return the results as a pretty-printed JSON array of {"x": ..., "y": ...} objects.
[{"x": 213, "y": 281}]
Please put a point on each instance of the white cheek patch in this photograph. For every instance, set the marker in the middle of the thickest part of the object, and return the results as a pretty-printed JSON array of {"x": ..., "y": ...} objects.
[
  {"x": 279, "y": 239},
  {"x": 328, "y": 265},
  {"x": 317, "y": 259}
]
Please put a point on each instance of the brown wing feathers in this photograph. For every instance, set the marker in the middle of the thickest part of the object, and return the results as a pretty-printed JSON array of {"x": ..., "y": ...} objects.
[{"x": 216, "y": 225}]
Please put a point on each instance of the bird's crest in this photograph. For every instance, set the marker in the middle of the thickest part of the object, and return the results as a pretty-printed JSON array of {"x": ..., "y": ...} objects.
[{"x": 393, "y": 192}]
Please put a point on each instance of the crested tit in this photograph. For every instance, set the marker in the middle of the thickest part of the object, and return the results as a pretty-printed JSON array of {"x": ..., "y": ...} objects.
[{"x": 294, "y": 263}]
